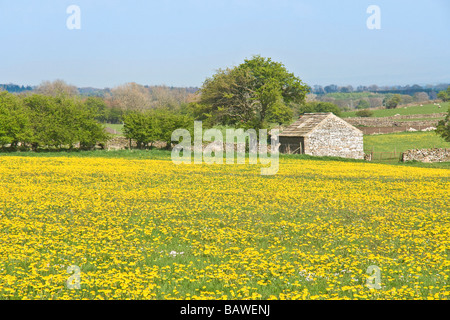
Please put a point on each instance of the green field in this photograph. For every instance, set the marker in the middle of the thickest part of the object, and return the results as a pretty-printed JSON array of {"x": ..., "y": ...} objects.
[
  {"x": 403, "y": 141},
  {"x": 426, "y": 109},
  {"x": 387, "y": 148}
]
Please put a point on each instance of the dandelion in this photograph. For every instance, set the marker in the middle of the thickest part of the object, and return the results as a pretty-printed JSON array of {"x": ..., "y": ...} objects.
[{"x": 309, "y": 232}]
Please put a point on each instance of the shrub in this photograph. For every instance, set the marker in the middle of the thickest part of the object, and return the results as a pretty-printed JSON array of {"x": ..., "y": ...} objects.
[
  {"x": 364, "y": 113},
  {"x": 154, "y": 125},
  {"x": 392, "y": 102}
]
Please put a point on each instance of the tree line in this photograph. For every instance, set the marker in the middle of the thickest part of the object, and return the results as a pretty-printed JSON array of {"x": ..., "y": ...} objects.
[
  {"x": 62, "y": 121},
  {"x": 365, "y": 100},
  {"x": 405, "y": 90},
  {"x": 38, "y": 121},
  {"x": 258, "y": 94}
]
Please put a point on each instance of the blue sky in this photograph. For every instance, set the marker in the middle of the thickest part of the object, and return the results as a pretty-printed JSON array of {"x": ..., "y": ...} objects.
[{"x": 181, "y": 42}]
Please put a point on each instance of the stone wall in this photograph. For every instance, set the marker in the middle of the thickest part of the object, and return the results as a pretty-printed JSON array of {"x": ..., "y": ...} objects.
[
  {"x": 368, "y": 121},
  {"x": 389, "y": 122},
  {"x": 384, "y": 130},
  {"x": 419, "y": 116},
  {"x": 223, "y": 146},
  {"x": 335, "y": 138},
  {"x": 119, "y": 143},
  {"x": 122, "y": 143},
  {"x": 427, "y": 155}
]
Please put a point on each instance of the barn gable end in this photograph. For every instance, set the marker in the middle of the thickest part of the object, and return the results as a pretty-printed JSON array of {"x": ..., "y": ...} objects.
[{"x": 335, "y": 137}]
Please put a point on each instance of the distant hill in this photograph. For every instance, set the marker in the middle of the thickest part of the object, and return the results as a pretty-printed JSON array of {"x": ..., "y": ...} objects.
[
  {"x": 89, "y": 91},
  {"x": 14, "y": 88}
]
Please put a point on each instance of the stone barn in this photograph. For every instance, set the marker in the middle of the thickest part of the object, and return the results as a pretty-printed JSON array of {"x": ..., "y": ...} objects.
[{"x": 322, "y": 134}]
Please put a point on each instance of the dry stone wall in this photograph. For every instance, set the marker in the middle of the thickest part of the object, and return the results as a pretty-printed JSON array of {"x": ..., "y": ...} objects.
[
  {"x": 122, "y": 143},
  {"x": 420, "y": 116},
  {"x": 427, "y": 155},
  {"x": 387, "y": 122}
]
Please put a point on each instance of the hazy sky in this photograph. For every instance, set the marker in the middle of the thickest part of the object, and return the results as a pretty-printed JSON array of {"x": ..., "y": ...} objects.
[{"x": 181, "y": 42}]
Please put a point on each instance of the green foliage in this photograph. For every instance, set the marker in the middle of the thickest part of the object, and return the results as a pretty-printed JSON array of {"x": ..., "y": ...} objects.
[
  {"x": 44, "y": 121},
  {"x": 104, "y": 113},
  {"x": 254, "y": 92},
  {"x": 364, "y": 113},
  {"x": 169, "y": 122},
  {"x": 156, "y": 125},
  {"x": 273, "y": 76},
  {"x": 114, "y": 115},
  {"x": 392, "y": 102},
  {"x": 279, "y": 113},
  {"x": 203, "y": 113},
  {"x": 98, "y": 106},
  {"x": 363, "y": 104},
  {"x": 443, "y": 128},
  {"x": 312, "y": 107},
  {"x": 328, "y": 107},
  {"x": 48, "y": 121},
  {"x": 444, "y": 95},
  {"x": 89, "y": 130},
  {"x": 140, "y": 127},
  {"x": 14, "y": 122}
]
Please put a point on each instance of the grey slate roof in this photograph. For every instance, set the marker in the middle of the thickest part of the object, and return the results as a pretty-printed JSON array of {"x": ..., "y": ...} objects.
[{"x": 305, "y": 124}]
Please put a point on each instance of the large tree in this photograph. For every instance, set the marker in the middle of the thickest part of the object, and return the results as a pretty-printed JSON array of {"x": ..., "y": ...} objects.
[
  {"x": 257, "y": 90},
  {"x": 131, "y": 97}
]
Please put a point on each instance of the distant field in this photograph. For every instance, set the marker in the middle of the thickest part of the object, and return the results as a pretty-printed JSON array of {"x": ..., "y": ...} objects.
[
  {"x": 426, "y": 109},
  {"x": 403, "y": 141},
  {"x": 117, "y": 127},
  {"x": 418, "y": 119}
]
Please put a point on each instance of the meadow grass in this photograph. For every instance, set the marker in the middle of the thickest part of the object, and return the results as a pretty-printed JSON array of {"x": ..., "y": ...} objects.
[{"x": 399, "y": 142}]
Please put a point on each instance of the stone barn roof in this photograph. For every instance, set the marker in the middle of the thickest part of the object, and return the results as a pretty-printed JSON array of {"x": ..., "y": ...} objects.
[{"x": 307, "y": 123}]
